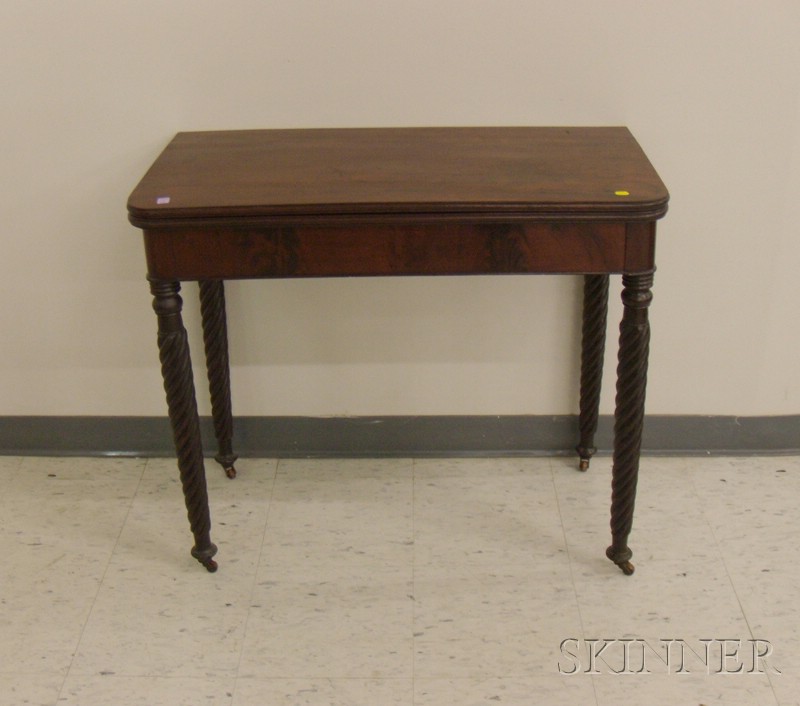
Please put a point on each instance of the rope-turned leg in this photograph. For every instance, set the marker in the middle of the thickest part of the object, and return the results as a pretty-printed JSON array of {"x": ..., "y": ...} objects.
[
  {"x": 595, "y": 312},
  {"x": 176, "y": 368},
  {"x": 215, "y": 337},
  {"x": 634, "y": 343}
]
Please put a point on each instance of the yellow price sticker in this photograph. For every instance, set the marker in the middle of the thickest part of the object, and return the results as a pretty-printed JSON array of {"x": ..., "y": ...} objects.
[{"x": 622, "y": 192}]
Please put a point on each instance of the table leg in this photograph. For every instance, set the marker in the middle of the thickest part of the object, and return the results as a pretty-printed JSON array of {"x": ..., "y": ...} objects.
[
  {"x": 176, "y": 368},
  {"x": 215, "y": 337},
  {"x": 634, "y": 342},
  {"x": 595, "y": 312}
]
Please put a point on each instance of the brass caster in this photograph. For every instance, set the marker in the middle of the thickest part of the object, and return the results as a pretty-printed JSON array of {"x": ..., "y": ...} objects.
[
  {"x": 627, "y": 568},
  {"x": 622, "y": 558},
  {"x": 585, "y": 454},
  {"x": 227, "y": 461},
  {"x": 205, "y": 557}
]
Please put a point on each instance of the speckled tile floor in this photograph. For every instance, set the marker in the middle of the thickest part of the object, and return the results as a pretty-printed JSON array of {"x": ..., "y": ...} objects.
[{"x": 398, "y": 582}]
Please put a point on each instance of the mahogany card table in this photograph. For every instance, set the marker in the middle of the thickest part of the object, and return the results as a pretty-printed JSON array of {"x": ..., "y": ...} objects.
[{"x": 380, "y": 202}]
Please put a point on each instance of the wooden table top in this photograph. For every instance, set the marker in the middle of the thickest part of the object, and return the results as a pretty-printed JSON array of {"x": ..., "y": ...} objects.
[{"x": 497, "y": 172}]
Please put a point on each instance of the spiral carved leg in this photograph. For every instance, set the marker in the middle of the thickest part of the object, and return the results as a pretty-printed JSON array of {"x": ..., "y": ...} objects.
[
  {"x": 595, "y": 312},
  {"x": 634, "y": 345},
  {"x": 215, "y": 337},
  {"x": 176, "y": 368}
]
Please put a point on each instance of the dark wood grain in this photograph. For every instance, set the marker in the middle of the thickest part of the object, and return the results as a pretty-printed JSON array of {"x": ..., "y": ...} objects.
[
  {"x": 215, "y": 338},
  {"x": 176, "y": 368},
  {"x": 286, "y": 174},
  {"x": 593, "y": 343},
  {"x": 351, "y": 251}
]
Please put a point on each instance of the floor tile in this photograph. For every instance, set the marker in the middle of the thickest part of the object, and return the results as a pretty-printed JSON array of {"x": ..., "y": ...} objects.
[
  {"x": 330, "y": 628},
  {"x": 397, "y": 581},
  {"x": 356, "y": 496},
  {"x": 159, "y": 613},
  {"x": 552, "y": 690},
  {"x": 493, "y": 591},
  {"x": 492, "y": 625},
  {"x": 333, "y": 593},
  {"x": 9, "y": 465},
  {"x": 782, "y": 661},
  {"x": 690, "y": 689},
  {"x": 146, "y": 691},
  {"x": 33, "y": 689},
  {"x": 486, "y": 513},
  {"x": 751, "y": 506},
  {"x": 76, "y": 502},
  {"x": 61, "y": 521},
  {"x": 340, "y": 510},
  {"x": 662, "y": 600},
  {"x": 323, "y": 692},
  {"x": 332, "y": 521},
  {"x": 787, "y": 689}
]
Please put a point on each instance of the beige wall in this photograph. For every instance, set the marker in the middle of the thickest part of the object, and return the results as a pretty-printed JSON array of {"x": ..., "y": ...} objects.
[{"x": 92, "y": 90}]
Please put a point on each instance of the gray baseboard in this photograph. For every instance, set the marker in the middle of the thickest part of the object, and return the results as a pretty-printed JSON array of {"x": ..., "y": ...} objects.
[{"x": 396, "y": 436}]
